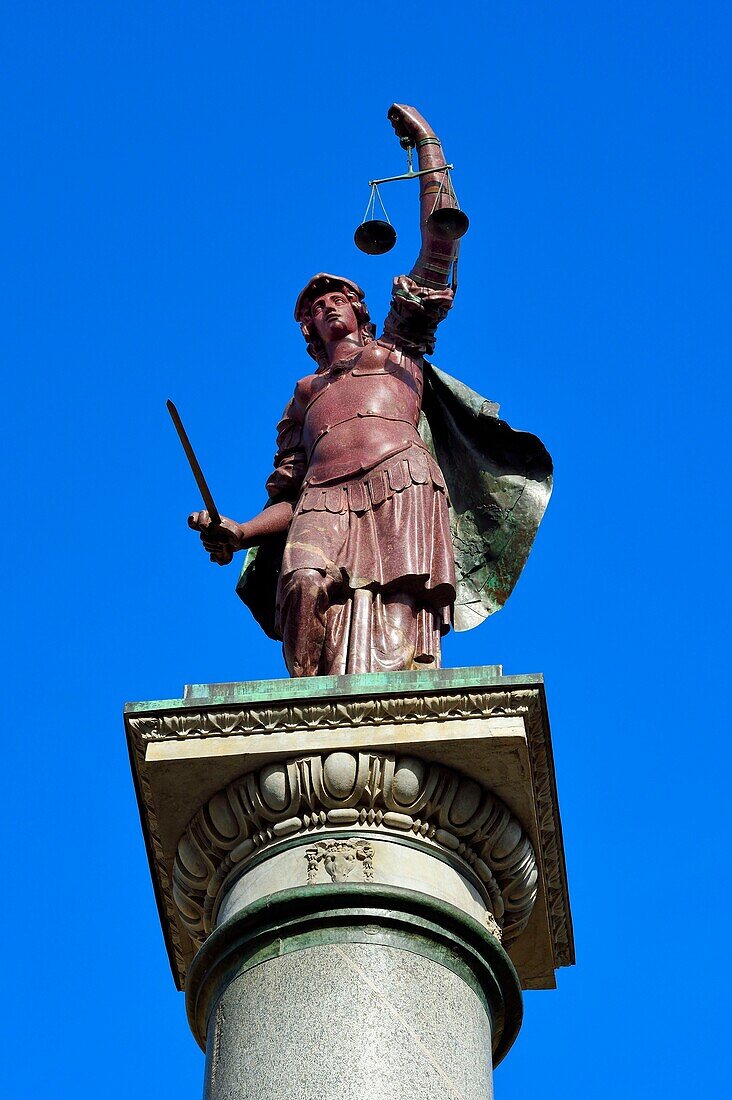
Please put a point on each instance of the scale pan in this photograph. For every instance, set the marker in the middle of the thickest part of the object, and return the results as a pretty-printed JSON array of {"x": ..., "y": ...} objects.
[
  {"x": 375, "y": 237},
  {"x": 448, "y": 224}
]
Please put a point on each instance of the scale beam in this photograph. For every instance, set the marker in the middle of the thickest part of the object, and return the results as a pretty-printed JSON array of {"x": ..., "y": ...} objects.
[{"x": 412, "y": 175}]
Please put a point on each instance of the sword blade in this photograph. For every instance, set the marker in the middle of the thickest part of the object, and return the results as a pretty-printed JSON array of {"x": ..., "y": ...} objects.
[{"x": 193, "y": 462}]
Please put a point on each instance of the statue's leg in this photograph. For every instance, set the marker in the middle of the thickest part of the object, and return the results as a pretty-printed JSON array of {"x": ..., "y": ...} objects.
[
  {"x": 405, "y": 634},
  {"x": 428, "y": 650},
  {"x": 360, "y": 638},
  {"x": 366, "y": 631},
  {"x": 348, "y": 644},
  {"x": 304, "y": 601}
]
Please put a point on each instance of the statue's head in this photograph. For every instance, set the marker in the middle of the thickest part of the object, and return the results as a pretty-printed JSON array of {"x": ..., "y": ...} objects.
[{"x": 332, "y": 307}]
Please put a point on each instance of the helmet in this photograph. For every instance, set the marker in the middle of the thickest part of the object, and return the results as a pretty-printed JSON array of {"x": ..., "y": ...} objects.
[{"x": 318, "y": 285}]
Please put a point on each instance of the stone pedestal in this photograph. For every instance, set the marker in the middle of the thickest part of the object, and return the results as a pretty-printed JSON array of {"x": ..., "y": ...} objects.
[{"x": 356, "y": 876}]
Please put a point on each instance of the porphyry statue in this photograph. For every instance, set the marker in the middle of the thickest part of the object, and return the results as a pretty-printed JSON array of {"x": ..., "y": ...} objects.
[{"x": 400, "y": 504}]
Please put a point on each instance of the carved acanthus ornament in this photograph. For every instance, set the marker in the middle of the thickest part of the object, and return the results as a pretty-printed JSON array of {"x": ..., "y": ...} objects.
[
  {"x": 332, "y": 714},
  {"x": 361, "y": 791}
]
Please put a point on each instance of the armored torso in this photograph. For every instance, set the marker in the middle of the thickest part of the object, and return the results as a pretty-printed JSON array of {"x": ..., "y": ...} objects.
[{"x": 360, "y": 412}]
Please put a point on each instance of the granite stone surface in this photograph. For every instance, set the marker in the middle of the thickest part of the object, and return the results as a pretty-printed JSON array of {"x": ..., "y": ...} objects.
[{"x": 349, "y": 1022}]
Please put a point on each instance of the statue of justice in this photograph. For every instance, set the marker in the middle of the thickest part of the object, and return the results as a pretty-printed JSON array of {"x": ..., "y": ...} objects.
[{"x": 400, "y": 504}]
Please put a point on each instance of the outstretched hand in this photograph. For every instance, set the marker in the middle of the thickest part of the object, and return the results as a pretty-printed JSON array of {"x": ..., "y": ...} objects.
[{"x": 220, "y": 540}]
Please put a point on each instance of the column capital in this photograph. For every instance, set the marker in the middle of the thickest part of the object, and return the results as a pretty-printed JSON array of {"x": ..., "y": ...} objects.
[
  {"x": 339, "y": 809},
  {"x": 268, "y": 740}
]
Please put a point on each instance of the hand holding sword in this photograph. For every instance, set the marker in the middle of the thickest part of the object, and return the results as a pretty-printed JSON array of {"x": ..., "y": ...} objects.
[{"x": 222, "y": 537}]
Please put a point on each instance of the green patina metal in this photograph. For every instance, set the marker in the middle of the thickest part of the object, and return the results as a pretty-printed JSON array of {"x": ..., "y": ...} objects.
[
  {"x": 417, "y": 941},
  {"x": 369, "y": 684},
  {"x": 499, "y": 481},
  {"x": 298, "y": 919}
]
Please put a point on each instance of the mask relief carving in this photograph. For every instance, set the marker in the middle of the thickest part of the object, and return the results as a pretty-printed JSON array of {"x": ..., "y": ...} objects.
[{"x": 339, "y": 858}]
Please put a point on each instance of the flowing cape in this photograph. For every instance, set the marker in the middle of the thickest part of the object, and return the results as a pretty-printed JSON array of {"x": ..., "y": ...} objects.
[{"x": 499, "y": 481}]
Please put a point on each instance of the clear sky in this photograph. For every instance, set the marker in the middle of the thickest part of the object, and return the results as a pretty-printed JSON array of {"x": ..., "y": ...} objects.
[{"x": 173, "y": 173}]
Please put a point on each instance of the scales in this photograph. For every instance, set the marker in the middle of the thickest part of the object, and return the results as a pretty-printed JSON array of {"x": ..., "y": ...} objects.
[{"x": 375, "y": 236}]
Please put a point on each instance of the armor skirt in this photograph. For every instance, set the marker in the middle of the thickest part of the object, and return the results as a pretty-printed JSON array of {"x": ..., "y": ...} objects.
[{"x": 381, "y": 544}]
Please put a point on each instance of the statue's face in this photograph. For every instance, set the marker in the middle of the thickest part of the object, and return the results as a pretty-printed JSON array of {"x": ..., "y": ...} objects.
[{"x": 333, "y": 317}]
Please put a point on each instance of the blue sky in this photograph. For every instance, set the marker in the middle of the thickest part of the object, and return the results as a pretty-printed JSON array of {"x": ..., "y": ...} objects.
[{"x": 174, "y": 172}]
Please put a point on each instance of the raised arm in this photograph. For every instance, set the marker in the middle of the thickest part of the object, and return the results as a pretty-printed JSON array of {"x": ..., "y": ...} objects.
[{"x": 435, "y": 258}]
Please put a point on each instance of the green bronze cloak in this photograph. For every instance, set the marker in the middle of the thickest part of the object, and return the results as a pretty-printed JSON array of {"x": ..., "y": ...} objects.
[{"x": 499, "y": 481}]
